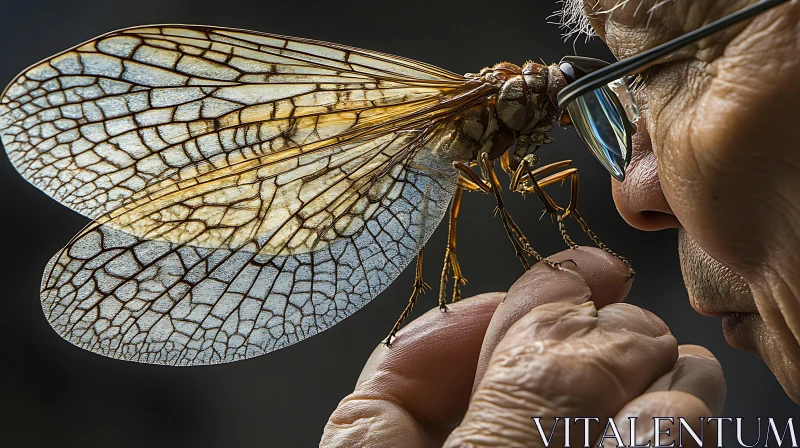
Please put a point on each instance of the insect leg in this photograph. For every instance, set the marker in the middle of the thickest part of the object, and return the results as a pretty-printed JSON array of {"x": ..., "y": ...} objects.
[
  {"x": 521, "y": 175},
  {"x": 469, "y": 180},
  {"x": 553, "y": 209},
  {"x": 450, "y": 260},
  {"x": 505, "y": 163},
  {"x": 419, "y": 288},
  {"x": 571, "y": 210},
  {"x": 518, "y": 240}
]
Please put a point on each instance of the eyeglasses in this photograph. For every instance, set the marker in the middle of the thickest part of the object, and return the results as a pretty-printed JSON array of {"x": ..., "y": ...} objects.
[{"x": 600, "y": 104}]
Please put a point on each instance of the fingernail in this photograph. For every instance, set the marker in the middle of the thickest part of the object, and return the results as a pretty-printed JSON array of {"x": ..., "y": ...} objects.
[
  {"x": 606, "y": 275},
  {"x": 626, "y": 317},
  {"x": 695, "y": 350},
  {"x": 658, "y": 326}
]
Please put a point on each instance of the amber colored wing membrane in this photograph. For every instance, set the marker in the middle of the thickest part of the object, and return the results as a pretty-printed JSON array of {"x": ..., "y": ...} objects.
[
  {"x": 249, "y": 190},
  {"x": 95, "y": 124}
]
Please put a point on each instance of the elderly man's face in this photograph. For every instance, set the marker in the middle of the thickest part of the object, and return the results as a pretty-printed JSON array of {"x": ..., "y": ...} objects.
[{"x": 717, "y": 156}]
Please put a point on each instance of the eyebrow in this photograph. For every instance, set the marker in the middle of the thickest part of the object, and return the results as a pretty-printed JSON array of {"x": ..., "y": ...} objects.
[
  {"x": 574, "y": 22},
  {"x": 639, "y": 62}
]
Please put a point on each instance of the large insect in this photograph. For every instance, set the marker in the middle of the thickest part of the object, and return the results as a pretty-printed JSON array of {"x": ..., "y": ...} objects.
[{"x": 250, "y": 190}]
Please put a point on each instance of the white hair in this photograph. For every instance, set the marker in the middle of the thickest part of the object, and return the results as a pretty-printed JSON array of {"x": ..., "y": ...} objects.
[
  {"x": 572, "y": 19},
  {"x": 574, "y": 22}
]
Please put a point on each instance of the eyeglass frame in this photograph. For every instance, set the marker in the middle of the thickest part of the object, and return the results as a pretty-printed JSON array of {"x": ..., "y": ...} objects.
[{"x": 640, "y": 62}]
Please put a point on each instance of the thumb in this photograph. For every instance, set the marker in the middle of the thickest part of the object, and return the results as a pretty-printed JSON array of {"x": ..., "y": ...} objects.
[
  {"x": 588, "y": 274},
  {"x": 553, "y": 353},
  {"x": 693, "y": 389}
]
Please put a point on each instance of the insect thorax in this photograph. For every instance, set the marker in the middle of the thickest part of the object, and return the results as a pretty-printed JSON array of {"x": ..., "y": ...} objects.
[{"x": 521, "y": 110}]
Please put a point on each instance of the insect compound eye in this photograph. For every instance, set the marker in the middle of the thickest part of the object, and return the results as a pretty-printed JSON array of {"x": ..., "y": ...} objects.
[
  {"x": 575, "y": 67},
  {"x": 568, "y": 71}
]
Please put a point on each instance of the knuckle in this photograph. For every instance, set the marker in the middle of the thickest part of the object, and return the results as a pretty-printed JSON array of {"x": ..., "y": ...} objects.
[
  {"x": 363, "y": 421},
  {"x": 491, "y": 422},
  {"x": 566, "y": 358}
]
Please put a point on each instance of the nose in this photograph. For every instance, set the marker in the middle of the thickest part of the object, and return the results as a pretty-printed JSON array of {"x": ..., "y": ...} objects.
[{"x": 639, "y": 199}]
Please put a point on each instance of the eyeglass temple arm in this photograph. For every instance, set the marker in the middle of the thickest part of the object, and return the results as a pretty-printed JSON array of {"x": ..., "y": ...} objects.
[{"x": 641, "y": 61}]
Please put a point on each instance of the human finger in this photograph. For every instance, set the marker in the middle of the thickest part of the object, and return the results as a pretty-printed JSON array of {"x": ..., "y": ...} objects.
[
  {"x": 414, "y": 392},
  {"x": 591, "y": 274}
]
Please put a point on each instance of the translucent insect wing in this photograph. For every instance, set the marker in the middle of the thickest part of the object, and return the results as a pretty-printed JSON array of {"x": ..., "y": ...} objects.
[{"x": 250, "y": 190}]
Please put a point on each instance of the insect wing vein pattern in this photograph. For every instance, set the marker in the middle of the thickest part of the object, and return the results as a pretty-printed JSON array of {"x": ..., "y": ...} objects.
[{"x": 248, "y": 190}]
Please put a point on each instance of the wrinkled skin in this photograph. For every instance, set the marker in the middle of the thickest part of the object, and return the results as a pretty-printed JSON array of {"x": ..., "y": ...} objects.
[
  {"x": 560, "y": 343},
  {"x": 718, "y": 157}
]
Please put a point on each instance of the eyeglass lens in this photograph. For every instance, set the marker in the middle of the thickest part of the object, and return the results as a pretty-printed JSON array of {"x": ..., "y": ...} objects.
[{"x": 598, "y": 118}]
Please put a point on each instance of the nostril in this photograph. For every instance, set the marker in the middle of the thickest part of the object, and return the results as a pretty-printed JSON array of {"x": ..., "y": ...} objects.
[
  {"x": 643, "y": 208},
  {"x": 641, "y": 202},
  {"x": 652, "y": 214},
  {"x": 656, "y": 220},
  {"x": 643, "y": 219}
]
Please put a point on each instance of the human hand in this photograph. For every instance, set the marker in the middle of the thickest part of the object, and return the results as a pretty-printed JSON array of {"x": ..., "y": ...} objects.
[{"x": 559, "y": 344}]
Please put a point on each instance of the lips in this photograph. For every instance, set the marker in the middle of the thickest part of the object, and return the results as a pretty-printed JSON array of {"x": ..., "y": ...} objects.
[
  {"x": 716, "y": 291},
  {"x": 744, "y": 331}
]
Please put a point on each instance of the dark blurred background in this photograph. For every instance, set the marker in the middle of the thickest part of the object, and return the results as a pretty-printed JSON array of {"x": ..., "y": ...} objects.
[{"x": 54, "y": 394}]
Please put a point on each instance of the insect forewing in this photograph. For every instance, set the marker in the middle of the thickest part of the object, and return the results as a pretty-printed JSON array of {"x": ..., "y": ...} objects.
[
  {"x": 97, "y": 123},
  {"x": 249, "y": 190}
]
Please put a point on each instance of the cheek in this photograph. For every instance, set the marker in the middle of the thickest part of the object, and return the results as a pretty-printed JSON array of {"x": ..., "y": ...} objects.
[
  {"x": 669, "y": 118},
  {"x": 708, "y": 159}
]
